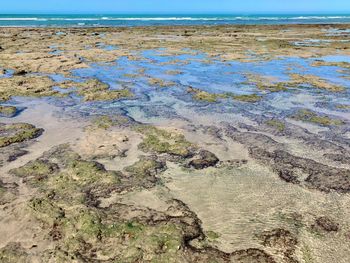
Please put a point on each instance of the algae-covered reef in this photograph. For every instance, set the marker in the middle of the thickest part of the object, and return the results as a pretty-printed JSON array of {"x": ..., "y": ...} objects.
[
  {"x": 7, "y": 111},
  {"x": 18, "y": 132},
  {"x": 202, "y": 95},
  {"x": 69, "y": 210},
  {"x": 14, "y": 138},
  {"x": 175, "y": 147},
  {"x": 26, "y": 86},
  {"x": 95, "y": 90},
  {"x": 309, "y": 116}
]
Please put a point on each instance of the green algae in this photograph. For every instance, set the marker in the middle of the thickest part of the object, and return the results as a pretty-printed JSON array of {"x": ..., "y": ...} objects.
[
  {"x": 95, "y": 90},
  {"x": 132, "y": 76},
  {"x": 7, "y": 111},
  {"x": 18, "y": 132},
  {"x": 46, "y": 210},
  {"x": 202, "y": 95},
  {"x": 105, "y": 122},
  {"x": 73, "y": 227},
  {"x": 13, "y": 253},
  {"x": 160, "y": 82},
  {"x": 212, "y": 235},
  {"x": 273, "y": 87},
  {"x": 173, "y": 72},
  {"x": 280, "y": 126},
  {"x": 315, "y": 81},
  {"x": 161, "y": 141},
  {"x": 343, "y": 106},
  {"x": 144, "y": 168},
  {"x": 323, "y": 120},
  {"x": 307, "y": 254},
  {"x": 252, "y": 98},
  {"x": 36, "y": 171},
  {"x": 35, "y": 86},
  {"x": 265, "y": 83}
]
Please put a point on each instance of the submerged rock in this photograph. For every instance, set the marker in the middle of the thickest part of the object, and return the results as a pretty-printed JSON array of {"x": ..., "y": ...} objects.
[
  {"x": 319, "y": 176},
  {"x": 7, "y": 111}
]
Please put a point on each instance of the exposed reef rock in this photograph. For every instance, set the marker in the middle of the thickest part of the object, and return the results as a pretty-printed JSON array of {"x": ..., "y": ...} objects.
[
  {"x": 13, "y": 252},
  {"x": 291, "y": 168},
  {"x": 7, "y": 111},
  {"x": 68, "y": 208},
  {"x": 175, "y": 147},
  {"x": 36, "y": 86},
  {"x": 326, "y": 224},
  {"x": 205, "y": 159},
  {"x": 319, "y": 176},
  {"x": 7, "y": 192},
  {"x": 18, "y": 132},
  {"x": 251, "y": 255},
  {"x": 282, "y": 241}
]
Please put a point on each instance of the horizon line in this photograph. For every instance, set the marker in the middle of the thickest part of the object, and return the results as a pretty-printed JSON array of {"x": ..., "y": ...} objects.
[{"x": 176, "y": 13}]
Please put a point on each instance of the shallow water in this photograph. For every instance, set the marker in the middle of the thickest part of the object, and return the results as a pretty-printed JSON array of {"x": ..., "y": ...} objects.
[{"x": 197, "y": 70}]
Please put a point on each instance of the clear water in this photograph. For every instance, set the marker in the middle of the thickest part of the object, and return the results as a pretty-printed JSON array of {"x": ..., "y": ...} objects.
[{"x": 217, "y": 77}]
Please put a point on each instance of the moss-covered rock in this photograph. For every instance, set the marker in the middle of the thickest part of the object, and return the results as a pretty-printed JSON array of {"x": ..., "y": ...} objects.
[
  {"x": 146, "y": 167},
  {"x": 310, "y": 116},
  {"x": 7, "y": 111},
  {"x": 13, "y": 253},
  {"x": 248, "y": 98},
  {"x": 95, "y": 90},
  {"x": 18, "y": 132},
  {"x": 164, "y": 142},
  {"x": 203, "y": 160},
  {"x": 276, "y": 124},
  {"x": 37, "y": 86},
  {"x": 7, "y": 192},
  {"x": 160, "y": 82},
  {"x": 106, "y": 122},
  {"x": 36, "y": 171},
  {"x": 174, "y": 72},
  {"x": 202, "y": 95},
  {"x": 314, "y": 81}
]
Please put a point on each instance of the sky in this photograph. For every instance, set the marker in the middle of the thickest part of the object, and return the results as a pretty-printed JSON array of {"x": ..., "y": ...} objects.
[{"x": 174, "y": 6}]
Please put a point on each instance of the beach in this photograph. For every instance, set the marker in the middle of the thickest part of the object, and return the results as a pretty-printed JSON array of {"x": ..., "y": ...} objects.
[{"x": 175, "y": 143}]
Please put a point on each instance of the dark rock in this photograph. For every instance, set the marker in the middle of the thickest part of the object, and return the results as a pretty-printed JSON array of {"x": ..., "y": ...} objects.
[
  {"x": 16, "y": 154},
  {"x": 281, "y": 240},
  {"x": 206, "y": 159},
  {"x": 325, "y": 223},
  {"x": 288, "y": 176},
  {"x": 319, "y": 176},
  {"x": 20, "y": 72},
  {"x": 251, "y": 255},
  {"x": 341, "y": 158}
]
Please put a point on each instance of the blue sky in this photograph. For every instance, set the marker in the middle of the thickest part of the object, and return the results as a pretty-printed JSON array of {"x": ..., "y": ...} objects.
[{"x": 175, "y": 6}]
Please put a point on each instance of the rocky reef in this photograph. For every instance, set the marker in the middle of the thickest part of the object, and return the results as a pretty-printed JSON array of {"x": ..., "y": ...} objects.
[{"x": 175, "y": 144}]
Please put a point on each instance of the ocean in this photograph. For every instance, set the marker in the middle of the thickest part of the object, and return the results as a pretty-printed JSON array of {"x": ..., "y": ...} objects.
[{"x": 153, "y": 20}]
